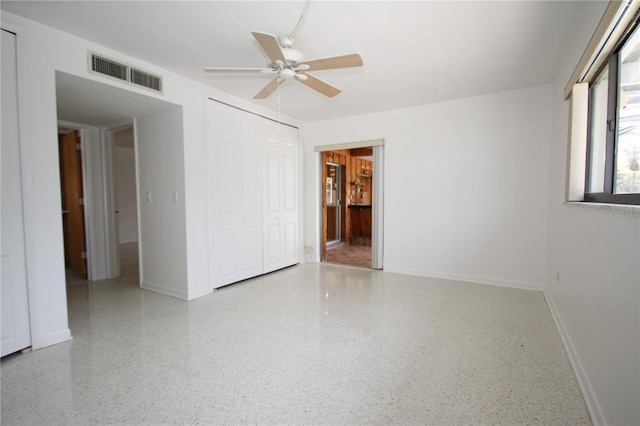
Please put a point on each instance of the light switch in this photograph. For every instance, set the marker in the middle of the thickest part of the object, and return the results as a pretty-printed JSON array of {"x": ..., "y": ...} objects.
[
  {"x": 148, "y": 196},
  {"x": 175, "y": 196}
]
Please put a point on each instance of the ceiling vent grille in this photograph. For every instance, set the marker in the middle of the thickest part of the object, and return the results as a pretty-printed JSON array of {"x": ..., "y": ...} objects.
[
  {"x": 143, "y": 78},
  {"x": 108, "y": 67},
  {"x": 124, "y": 72}
]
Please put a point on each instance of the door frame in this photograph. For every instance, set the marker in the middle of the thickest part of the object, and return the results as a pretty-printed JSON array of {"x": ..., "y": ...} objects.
[
  {"x": 88, "y": 205},
  {"x": 339, "y": 203},
  {"x": 112, "y": 240},
  {"x": 103, "y": 260},
  {"x": 377, "y": 220}
]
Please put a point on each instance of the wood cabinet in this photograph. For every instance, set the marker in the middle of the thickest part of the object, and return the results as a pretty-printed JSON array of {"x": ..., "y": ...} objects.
[
  {"x": 360, "y": 225},
  {"x": 253, "y": 186},
  {"x": 360, "y": 172}
]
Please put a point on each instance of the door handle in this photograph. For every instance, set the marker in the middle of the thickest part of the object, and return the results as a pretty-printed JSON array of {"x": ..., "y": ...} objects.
[{"x": 65, "y": 211}]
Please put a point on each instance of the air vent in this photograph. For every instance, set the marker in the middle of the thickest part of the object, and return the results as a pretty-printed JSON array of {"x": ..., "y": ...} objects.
[
  {"x": 121, "y": 71},
  {"x": 143, "y": 78},
  {"x": 108, "y": 67}
]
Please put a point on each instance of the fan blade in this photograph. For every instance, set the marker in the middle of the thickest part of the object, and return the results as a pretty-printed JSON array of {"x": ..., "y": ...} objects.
[
  {"x": 345, "y": 61},
  {"x": 321, "y": 86},
  {"x": 237, "y": 70},
  {"x": 269, "y": 88},
  {"x": 269, "y": 43}
]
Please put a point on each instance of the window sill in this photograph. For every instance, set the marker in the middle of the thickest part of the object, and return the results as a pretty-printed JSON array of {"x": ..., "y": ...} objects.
[{"x": 614, "y": 210}]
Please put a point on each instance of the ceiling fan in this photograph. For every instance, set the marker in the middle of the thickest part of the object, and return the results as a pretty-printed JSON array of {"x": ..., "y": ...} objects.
[{"x": 287, "y": 63}]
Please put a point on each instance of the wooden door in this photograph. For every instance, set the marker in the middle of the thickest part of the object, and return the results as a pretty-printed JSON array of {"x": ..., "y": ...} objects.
[{"x": 73, "y": 203}]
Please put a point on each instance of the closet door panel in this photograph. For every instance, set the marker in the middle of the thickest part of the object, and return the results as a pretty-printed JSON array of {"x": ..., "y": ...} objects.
[
  {"x": 281, "y": 200},
  {"x": 14, "y": 297},
  {"x": 253, "y": 195},
  {"x": 291, "y": 242},
  {"x": 272, "y": 251},
  {"x": 273, "y": 182},
  {"x": 225, "y": 254},
  {"x": 250, "y": 256},
  {"x": 234, "y": 196}
]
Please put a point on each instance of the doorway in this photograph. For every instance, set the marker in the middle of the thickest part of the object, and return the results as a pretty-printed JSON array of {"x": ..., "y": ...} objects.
[
  {"x": 125, "y": 196},
  {"x": 72, "y": 193},
  {"x": 347, "y": 206}
]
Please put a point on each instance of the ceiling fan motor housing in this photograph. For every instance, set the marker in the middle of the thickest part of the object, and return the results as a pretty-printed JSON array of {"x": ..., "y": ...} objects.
[
  {"x": 292, "y": 56},
  {"x": 285, "y": 41}
]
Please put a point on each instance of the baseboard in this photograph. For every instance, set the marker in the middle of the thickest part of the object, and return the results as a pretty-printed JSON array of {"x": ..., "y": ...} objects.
[
  {"x": 51, "y": 339},
  {"x": 201, "y": 293},
  {"x": 164, "y": 290},
  {"x": 470, "y": 279},
  {"x": 581, "y": 375}
]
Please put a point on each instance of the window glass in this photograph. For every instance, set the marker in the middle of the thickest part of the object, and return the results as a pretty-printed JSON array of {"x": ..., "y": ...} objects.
[
  {"x": 598, "y": 132},
  {"x": 627, "y": 164}
]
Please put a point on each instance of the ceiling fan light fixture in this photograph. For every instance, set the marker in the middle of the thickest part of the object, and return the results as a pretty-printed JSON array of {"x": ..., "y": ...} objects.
[{"x": 286, "y": 74}]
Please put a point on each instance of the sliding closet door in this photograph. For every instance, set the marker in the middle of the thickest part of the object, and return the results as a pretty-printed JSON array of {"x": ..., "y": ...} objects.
[
  {"x": 253, "y": 194},
  {"x": 16, "y": 332},
  {"x": 280, "y": 198},
  {"x": 234, "y": 155}
]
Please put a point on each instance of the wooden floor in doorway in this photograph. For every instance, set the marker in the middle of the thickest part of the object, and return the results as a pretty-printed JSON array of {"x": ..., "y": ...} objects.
[{"x": 350, "y": 255}]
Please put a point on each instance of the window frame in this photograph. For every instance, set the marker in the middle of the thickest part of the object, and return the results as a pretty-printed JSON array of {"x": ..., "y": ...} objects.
[{"x": 612, "y": 63}]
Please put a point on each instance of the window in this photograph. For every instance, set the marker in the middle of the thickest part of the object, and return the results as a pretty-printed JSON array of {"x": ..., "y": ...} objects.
[{"x": 613, "y": 147}]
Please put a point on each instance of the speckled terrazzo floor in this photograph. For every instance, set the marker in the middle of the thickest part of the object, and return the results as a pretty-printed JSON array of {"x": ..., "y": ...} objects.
[{"x": 312, "y": 344}]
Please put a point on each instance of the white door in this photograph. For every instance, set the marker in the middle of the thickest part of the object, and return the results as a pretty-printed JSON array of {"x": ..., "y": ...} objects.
[
  {"x": 15, "y": 304},
  {"x": 280, "y": 198},
  {"x": 235, "y": 204}
]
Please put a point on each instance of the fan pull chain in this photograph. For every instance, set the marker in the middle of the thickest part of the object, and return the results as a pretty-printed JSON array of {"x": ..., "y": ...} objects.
[{"x": 298, "y": 27}]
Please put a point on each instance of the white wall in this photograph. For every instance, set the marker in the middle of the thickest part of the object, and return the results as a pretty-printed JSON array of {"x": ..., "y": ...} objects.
[
  {"x": 163, "y": 262},
  {"x": 125, "y": 177},
  {"x": 42, "y": 51},
  {"x": 465, "y": 185},
  {"x": 596, "y": 252}
]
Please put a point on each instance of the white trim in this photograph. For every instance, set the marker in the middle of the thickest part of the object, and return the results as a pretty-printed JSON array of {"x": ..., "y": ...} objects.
[
  {"x": 168, "y": 291},
  {"x": 377, "y": 218},
  {"x": 349, "y": 145},
  {"x": 583, "y": 380},
  {"x": 611, "y": 210},
  {"x": 615, "y": 20},
  {"x": 111, "y": 229},
  {"x": 94, "y": 254},
  {"x": 577, "y": 144},
  {"x": 522, "y": 285},
  {"x": 136, "y": 152},
  {"x": 52, "y": 339}
]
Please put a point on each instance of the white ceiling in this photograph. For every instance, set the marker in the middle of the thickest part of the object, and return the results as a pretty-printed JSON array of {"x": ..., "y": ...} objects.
[{"x": 414, "y": 52}]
